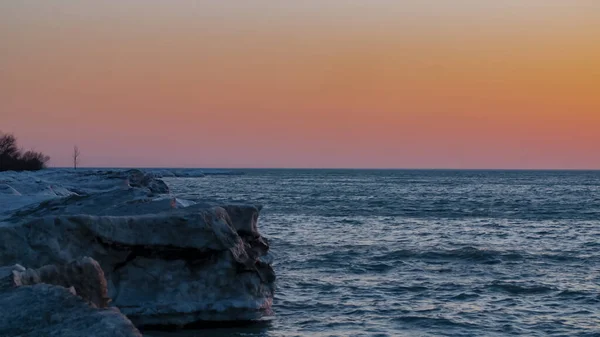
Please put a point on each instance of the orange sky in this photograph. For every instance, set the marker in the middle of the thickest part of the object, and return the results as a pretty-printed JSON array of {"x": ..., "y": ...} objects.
[{"x": 337, "y": 83}]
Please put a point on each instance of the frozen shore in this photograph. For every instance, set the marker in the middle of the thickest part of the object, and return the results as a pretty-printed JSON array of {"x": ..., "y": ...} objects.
[{"x": 166, "y": 261}]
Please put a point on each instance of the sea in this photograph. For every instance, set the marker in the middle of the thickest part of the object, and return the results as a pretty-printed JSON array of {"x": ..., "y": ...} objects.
[{"x": 421, "y": 252}]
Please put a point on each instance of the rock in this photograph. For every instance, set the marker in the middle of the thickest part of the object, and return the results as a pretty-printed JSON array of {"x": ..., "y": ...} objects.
[
  {"x": 18, "y": 189},
  {"x": 166, "y": 261},
  {"x": 50, "y": 310},
  {"x": 59, "y": 300},
  {"x": 138, "y": 178},
  {"x": 85, "y": 276},
  {"x": 175, "y": 267}
]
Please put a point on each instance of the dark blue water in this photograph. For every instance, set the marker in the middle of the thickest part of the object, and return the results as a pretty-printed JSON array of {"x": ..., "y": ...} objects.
[{"x": 421, "y": 253}]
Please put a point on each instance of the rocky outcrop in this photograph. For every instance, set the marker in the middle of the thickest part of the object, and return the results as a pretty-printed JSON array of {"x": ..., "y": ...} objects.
[
  {"x": 46, "y": 302},
  {"x": 164, "y": 262},
  {"x": 49, "y": 310},
  {"x": 84, "y": 276},
  {"x": 175, "y": 267},
  {"x": 19, "y": 189},
  {"x": 138, "y": 178}
]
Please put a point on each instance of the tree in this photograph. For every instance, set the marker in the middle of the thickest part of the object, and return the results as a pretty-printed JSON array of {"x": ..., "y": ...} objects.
[
  {"x": 32, "y": 160},
  {"x": 11, "y": 158},
  {"x": 8, "y": 145},
  {"x": 75, "y": 156},
  {"x": 8, "y": 150}
]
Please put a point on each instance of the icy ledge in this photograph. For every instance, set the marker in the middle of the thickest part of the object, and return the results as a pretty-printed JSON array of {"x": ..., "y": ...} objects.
[{"x": 163, "y": 265}]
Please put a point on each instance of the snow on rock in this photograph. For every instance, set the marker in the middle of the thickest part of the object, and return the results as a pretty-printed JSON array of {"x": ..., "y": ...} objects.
[
  {"x": 19, "y": 189},
  {"x": 6, "y": 189},
  {"x": 167, "y": 261},
  {"x": 138, "y": 178}
]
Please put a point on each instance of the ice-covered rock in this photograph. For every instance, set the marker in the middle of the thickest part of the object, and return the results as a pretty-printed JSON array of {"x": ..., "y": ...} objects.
[
  {"x": 49, "y": 310},
  {"x": 175, "y": 267},
  {"x": 19, "y": 189},
  {"x": 138, "y": 178},
  {"x": 85, "y": 276},
  {"x": 8, "y": 190},
  {"x": 167, "y": 261},
  {"x": 59, "y": 300}
]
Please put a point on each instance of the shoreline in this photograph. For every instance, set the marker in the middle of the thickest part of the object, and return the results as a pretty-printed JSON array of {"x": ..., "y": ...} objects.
[{"x": 167, "y": 262}]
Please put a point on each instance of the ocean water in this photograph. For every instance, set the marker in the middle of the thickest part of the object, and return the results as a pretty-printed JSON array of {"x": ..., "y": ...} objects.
[{"x": 422, "y": 253}]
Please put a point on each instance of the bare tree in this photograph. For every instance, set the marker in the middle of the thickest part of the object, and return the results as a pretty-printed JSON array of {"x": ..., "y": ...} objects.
[{"x": 75, "y": 156}]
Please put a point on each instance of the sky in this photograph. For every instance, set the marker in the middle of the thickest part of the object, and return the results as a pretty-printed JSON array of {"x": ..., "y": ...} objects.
[{"x": 304, "y": 84}]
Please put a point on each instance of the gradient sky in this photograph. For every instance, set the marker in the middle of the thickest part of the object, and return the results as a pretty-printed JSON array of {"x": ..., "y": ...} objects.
[{"x": 327, "y": 83}]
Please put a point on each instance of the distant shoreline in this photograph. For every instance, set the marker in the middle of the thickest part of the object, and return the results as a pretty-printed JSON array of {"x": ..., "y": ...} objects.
[{"x": 331, "y": 169}]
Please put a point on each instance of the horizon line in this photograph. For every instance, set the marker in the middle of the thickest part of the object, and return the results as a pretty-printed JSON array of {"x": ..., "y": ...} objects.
[{"x": 329, "y": 168}]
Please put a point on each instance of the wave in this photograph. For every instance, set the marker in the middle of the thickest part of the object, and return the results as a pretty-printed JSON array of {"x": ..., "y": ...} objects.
[
  {"x": 581, "y": 296},
  {"x": 472, "y": 254},
  {"x": 191, "y": 173},
  {"x": 410, "y": 289},
  {"x": 368, "y": 259},
  {"x": 360, "y": 259},
  {"x": 465, "y": 253},
  {"x": 520, "y": 288},
  {"x": 465, "y": 296},
  {"x": 426, "y": 321}
]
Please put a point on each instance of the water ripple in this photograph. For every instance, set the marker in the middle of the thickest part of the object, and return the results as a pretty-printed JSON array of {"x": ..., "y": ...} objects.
[{"x": 420, "y": 253}]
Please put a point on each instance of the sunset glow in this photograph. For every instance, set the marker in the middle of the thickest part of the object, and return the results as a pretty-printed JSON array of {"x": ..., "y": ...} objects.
[{"x": 382, "y": 84}]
